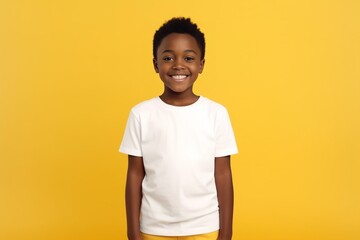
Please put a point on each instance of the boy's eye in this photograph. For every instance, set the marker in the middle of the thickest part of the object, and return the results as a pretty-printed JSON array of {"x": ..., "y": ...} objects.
[
  {"x": 189, "y": 59},
  {"x": 167, "y": 59}
]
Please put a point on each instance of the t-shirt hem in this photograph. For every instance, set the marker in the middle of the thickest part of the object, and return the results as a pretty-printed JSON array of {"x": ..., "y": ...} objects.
[
  {"x": 226, "y": 153},
  {"x": 184, "y": 233},
  {"x": 130, "y": 152}
]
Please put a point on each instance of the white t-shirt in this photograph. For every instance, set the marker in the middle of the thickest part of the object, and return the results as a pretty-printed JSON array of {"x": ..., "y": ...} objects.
[{"x": 179, "y": 146}]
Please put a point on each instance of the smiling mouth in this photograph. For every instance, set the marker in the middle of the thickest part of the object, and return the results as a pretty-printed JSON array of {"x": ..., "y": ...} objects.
[{"x": 179, "y": 77}]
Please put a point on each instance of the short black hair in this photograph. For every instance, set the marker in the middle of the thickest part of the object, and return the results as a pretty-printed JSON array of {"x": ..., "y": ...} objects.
[{"x": 179, "y": 25}]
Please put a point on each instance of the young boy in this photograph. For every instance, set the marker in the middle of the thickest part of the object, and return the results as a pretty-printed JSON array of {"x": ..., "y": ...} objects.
[{"x": 179, "y": 183}]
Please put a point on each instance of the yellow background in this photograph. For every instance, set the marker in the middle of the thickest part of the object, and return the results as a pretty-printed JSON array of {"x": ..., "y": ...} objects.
[{"x": 288, "y": 72}]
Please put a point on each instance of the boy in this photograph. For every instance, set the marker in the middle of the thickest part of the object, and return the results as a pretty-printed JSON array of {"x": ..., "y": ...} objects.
[{"x": 179, "y": 183}]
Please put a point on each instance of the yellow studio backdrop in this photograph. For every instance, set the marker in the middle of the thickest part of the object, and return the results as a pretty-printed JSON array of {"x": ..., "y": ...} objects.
[{"x": 288, "y": 72}]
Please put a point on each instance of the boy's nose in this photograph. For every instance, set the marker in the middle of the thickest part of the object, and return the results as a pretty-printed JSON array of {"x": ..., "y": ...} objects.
[{"x": 178, "y": 64}]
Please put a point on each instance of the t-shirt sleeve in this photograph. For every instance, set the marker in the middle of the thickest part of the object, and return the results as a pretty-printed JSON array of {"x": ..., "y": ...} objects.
[
  {"x": 132, "y": 137},
  {"x": 225, "y": 139}
]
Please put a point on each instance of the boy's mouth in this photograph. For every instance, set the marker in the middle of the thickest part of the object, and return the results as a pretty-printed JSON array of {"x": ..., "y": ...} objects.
[{"x": 179, "y": 77}]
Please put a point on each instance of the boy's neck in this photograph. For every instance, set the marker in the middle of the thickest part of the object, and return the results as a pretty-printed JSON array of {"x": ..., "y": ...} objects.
[{"x": 179, "y": 99}]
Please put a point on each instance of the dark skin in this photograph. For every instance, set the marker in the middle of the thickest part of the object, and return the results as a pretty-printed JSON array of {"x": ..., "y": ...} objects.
[
  {"x": 225, "y": 193},
  {"x": 178, "y": 64},
  {"x": 133, "y": 196}
]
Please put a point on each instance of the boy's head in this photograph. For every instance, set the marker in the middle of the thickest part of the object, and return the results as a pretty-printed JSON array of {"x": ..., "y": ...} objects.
[{"x": 179, "y": 25}]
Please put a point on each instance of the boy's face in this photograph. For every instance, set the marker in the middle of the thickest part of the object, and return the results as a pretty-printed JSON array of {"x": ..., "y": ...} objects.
[{"x": 178, "y": 62}]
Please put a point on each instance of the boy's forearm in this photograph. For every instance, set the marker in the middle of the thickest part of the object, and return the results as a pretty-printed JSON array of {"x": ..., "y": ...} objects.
[
  {"x": 226, "y": 212},
  {"x": 133, "y": 201},
  {"x": 133, "y": 196},
  {"x": 225, "y": 192}
]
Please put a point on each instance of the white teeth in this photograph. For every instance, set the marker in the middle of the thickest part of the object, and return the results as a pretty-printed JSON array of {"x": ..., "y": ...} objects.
[{"x": 179, "y": 77}]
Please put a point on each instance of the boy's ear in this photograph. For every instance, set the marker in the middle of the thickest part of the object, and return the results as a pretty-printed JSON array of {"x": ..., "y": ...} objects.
[
  {"x": 202, "y": 64},
  {"x": 155, "y": 65}
]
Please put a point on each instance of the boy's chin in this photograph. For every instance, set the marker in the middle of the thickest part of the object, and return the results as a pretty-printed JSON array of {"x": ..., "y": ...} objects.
[{"x": 180, "y": 90}]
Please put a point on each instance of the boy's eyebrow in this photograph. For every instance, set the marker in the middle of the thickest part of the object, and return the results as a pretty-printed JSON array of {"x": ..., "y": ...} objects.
[{"x": 171, "y": 51}]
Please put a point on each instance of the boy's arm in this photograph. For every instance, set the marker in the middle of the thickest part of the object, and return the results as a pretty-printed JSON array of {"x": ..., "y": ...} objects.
[
  {"x": 225, "y": 193},
  {"x": 133, "y": 195}
]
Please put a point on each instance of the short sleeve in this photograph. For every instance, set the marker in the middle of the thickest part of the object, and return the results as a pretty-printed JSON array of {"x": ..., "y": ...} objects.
[
  {"x": 131, "y": 142},
  {"x": 225, "y": 139}
]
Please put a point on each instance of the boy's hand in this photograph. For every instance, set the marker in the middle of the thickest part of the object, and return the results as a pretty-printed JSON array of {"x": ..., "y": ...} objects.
[{"x": 137, "y": 238}]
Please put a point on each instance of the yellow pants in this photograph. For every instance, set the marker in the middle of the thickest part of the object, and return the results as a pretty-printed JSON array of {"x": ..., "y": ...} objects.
[{"x": 206, "y": 236}]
